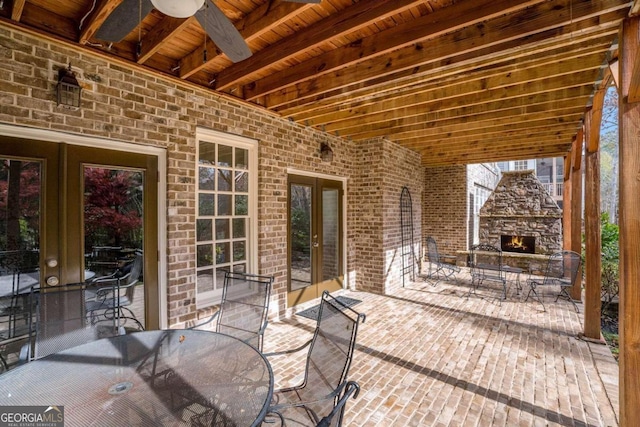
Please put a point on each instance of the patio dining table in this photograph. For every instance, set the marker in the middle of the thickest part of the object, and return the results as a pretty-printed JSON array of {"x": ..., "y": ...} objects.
[{"x": 150, "y": 378}]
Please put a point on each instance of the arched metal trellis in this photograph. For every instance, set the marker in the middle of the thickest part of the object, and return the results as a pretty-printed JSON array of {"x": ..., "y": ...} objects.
[{"x": 406, "y": 226}]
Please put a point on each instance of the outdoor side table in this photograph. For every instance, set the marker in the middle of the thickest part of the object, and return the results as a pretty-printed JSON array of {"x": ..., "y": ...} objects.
[{"x": 141, "y": 379}]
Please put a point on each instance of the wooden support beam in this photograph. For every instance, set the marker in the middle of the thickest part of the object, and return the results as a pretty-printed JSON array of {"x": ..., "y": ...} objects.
[
  {"x": 16, "y": 10},
  {"x": 576, "y": 209},
  {"x": 629, "y": 326},
  {"x": 593, "y": 246},
  {"x": 566, "y": 201}
]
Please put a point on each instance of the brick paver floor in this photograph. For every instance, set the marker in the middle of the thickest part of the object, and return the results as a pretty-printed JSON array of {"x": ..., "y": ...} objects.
[{"x": 433, "y": 356}]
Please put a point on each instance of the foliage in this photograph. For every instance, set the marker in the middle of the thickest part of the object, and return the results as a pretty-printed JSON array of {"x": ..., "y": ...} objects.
[
  {"x": 113, "y": 208},
  {"x": 19, "y": 204},
  {"x": 610, "y": 260}
]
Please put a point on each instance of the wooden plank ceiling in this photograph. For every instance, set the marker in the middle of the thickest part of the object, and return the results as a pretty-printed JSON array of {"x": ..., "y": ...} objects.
[{"x": 461, "y": 81}]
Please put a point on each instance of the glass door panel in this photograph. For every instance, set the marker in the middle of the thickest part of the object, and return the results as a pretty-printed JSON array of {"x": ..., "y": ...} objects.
[
  {"x": 330, "y": 233},
  {"x": 315, "y": 238},
  {"x": 300, "y": 236},
  {"x": 114, "y": 227},
  {"x": 20, "y": 208}
]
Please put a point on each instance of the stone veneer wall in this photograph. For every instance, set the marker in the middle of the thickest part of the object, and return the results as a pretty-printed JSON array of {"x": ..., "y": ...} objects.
[
  {"x": 128, "y": 104},
  {"x": 445, "y": 208},
  {"x": 385, "y": 168},
  {"x": 521, "y": 206}
]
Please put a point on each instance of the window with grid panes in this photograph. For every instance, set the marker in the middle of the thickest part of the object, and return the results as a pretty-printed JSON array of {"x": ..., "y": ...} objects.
[
  {"x": 225, "y": 215},
  {"x": 521, "y": 165}
]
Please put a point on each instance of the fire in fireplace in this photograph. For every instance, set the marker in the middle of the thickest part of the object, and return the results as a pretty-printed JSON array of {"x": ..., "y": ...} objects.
[{"x": 520, "y": 244}]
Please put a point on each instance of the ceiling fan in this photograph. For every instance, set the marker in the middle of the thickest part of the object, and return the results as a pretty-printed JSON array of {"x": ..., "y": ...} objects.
[{"x": 126, "y": 17}]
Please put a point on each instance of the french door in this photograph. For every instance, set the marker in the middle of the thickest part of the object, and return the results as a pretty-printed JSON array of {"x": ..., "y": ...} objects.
[
  {"x": 69, "y": 213},
  {"x": 315, "y": 242}
]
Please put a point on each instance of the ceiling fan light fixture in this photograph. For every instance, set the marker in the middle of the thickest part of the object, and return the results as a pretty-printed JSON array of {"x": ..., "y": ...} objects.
[{"x": 178, "y": 8}]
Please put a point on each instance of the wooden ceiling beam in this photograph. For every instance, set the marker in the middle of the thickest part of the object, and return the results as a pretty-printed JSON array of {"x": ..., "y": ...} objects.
[
  {"x": 511, "y": 58},
  {"x": 466, "y": 85},
  {"x": 445, "y": 159},
  {"x": 468, "y": 123},
  {"x": 16, "y": 9},
  {"x": 443, "y": 55},
  {"x": 403, "y": 37},
  {"x": 351, "y": 19},
  {"x": 161, "y": 34},
  {"x": 96, "y": 19},
  {"x": 337, "y": 121},
  {"x": 369, "y": 58},
  {"x": 262, "y": 20},
  {"x": 488, "y": 127},
  {"x": 545, "y": 103},
  {"x": 559, "y": 135}
]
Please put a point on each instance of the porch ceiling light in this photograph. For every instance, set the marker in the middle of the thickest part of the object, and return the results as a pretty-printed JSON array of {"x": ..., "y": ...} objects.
[
  {"x": 68, "y": 89},
  {"x": 326, "y": 153},
  {"x": 178, "y": 8}
]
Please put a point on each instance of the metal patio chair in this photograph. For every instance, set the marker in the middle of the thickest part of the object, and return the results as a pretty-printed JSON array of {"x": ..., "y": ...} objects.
[
  {"x": 114, "y": 294},
  {"x": 486, "y": 266},
  {"x": 60, "y": 321},
  {"x": 321, "y": 397},
  {"x": 438, "y": 269},
  {"x": 562, "y": 271},
  {"x": 243, "y": 308}
]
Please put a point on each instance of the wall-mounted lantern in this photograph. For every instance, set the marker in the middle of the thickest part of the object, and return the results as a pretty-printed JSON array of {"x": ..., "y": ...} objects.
[
  {"x": 68, "y": 89},
  {"x": 326, "y": 153}
]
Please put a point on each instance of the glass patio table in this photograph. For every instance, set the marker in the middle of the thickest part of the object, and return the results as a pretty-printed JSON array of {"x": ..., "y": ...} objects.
[{"x": 150, "y": 378}]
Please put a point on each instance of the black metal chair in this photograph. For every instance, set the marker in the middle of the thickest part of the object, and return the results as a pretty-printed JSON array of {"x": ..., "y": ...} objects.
[
  {"x": 60, "y": 322},
  {"x": 114, "y": 294},
  {"x": 438, "y": 269},
  {"x": 243, "y": 308},
  {"x": 562, "y": 271},
  {"x": 321, "y": 397},
  {"x": 486, "y": 266}
]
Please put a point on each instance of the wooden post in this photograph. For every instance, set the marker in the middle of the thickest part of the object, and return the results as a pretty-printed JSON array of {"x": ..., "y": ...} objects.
[
  {"x": 593, "y": 245},
  {"x": 576, "y": 209},
  {"x": 629, "y": 324},
  {"x": 566, "y": 201}
]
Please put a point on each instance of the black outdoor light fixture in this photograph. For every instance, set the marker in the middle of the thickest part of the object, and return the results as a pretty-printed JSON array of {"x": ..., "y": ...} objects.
[
  {"x": 68, "y": 89},
  {"x": 326, "y": 153}
]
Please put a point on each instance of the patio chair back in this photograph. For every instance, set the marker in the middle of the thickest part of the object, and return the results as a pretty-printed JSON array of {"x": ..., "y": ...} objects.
[
  {"x": 61, "y": 321},
  {"x": 432, "y": 250},
  {"x": 562, "y": 268},
  {"x": 330, "y": 355},
  {"x": 244, "y": 307}
]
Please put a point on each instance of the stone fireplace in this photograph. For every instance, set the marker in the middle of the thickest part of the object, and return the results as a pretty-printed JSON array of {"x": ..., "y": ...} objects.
[{"x": 521, "y": 216}]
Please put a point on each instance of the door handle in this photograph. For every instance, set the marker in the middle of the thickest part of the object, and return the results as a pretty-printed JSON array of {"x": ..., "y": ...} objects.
[{"x": 315, "y": 243}]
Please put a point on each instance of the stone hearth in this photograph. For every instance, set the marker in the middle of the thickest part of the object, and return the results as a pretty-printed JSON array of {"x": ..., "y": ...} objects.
[{"x": 520, "y": 206}]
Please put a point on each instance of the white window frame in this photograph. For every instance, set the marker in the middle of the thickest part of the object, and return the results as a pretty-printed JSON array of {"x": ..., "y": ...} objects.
[{"x": 207, "y": 299}]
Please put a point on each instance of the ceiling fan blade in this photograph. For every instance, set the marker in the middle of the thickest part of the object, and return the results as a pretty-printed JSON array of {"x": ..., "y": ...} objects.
[
  {"x": 222, "y": 32},
  {"x": 124, "y": 19}
]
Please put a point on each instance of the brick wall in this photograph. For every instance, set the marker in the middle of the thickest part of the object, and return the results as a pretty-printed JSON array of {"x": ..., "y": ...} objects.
[
  {"x": 445, "y": 208},
  {"x": 385, "y": 168},
  {"x": 125, "y": 103}
]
